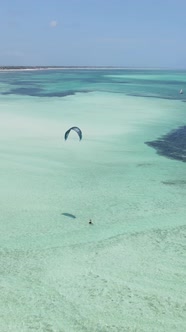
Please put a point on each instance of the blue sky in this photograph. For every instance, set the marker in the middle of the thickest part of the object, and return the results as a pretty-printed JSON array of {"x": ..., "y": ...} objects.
[{"x": 134, "y": 33}]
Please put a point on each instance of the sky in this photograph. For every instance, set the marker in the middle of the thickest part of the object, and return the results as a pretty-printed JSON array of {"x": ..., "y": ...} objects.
[{"x": 127, "y": 33}]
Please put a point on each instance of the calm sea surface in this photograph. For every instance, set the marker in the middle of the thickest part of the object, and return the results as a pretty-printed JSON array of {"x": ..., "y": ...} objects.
[{"x": 127, "y": 271}]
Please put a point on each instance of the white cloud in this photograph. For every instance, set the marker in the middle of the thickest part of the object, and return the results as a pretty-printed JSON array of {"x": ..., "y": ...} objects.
[{"x": 53, "y": 24}]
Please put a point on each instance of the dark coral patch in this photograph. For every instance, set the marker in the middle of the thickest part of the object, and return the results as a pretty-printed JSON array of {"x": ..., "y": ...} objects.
[
  {"x": 38, "y": 92},
  {"x": 171, "y": 145}
]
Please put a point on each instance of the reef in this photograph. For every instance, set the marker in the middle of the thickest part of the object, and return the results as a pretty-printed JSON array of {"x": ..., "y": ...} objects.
[{"x": 171, "y": 145}]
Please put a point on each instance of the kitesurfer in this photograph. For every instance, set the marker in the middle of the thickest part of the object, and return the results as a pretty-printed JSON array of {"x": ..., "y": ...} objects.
[{"x": 76, "y": 129}]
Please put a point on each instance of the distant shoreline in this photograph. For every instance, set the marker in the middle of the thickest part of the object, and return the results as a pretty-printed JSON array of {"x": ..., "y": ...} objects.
[
  {"x": 27, "y": 68},
  {"x": 37, "y": 68}
]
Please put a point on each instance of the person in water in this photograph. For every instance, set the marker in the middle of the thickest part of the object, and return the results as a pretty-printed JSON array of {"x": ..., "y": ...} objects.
[{"x": 90, "y": 222}]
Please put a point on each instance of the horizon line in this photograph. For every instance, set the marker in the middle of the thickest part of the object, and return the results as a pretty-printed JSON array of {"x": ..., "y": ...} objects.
[{"x": 24, "y": 67}]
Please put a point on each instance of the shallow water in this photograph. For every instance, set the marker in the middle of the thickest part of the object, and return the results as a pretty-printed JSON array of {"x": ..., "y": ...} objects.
[{"x": 126, "y": 272}]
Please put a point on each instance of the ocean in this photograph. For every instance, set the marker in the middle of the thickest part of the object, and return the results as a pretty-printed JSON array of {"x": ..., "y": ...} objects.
[{"x": 126, "y": 271}]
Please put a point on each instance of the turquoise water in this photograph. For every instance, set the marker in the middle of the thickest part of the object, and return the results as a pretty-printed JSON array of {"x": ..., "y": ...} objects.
[{"x": 127, "y": 271}]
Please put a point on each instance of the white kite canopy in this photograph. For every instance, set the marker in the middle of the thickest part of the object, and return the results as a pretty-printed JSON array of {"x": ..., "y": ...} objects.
[
  {"x": 181, "y": 91},
  {"x": 76, "y": 129}
]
